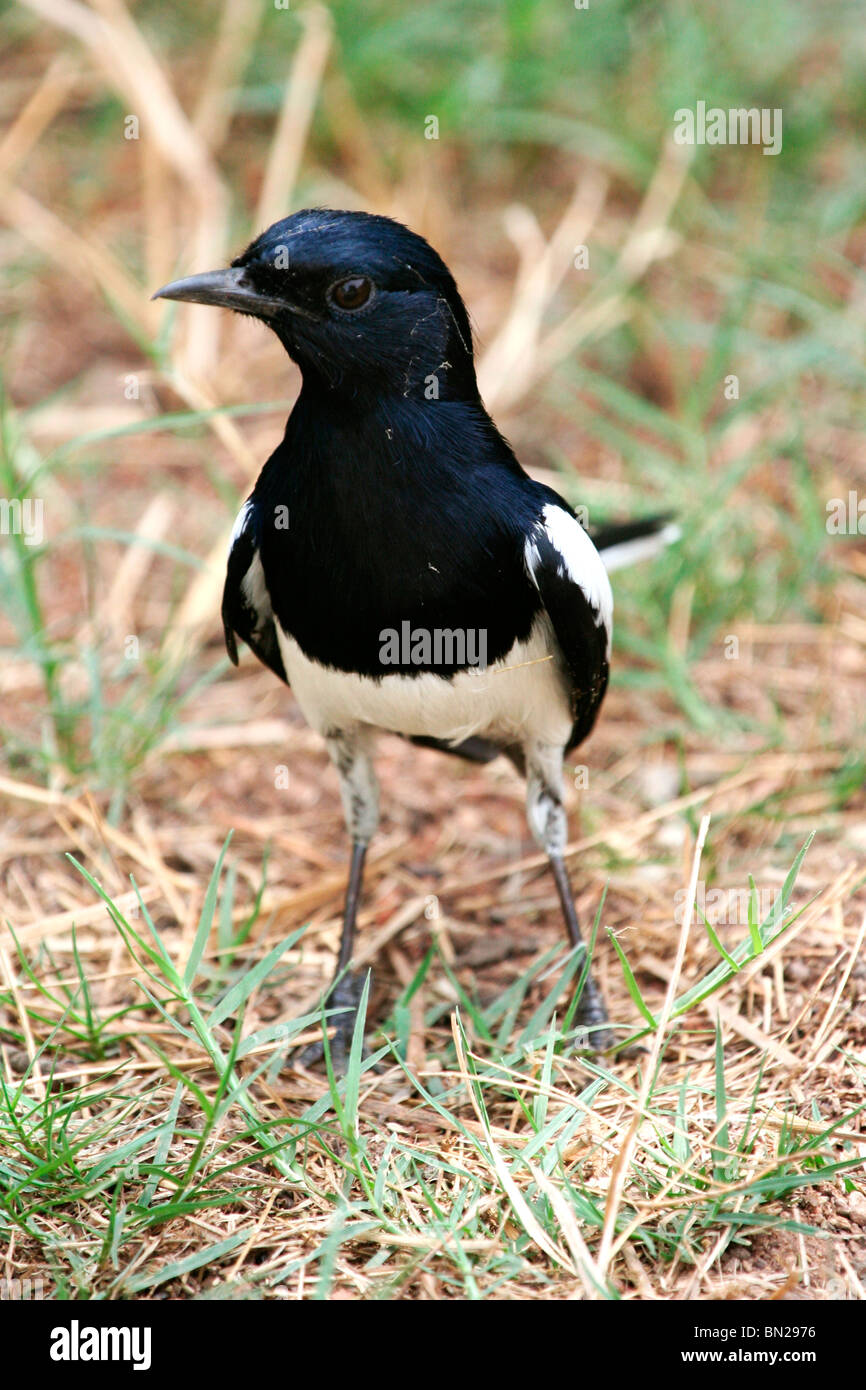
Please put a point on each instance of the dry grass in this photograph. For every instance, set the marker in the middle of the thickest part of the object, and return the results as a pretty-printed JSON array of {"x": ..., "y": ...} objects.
[{"x": 472, "y": 1165}]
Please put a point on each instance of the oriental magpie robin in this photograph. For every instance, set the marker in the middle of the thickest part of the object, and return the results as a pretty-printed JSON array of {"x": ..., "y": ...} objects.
[{"x": 394, "y": 564}]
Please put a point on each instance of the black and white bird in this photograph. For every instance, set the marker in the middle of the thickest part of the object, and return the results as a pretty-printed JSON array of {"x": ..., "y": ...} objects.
[{"x": 394, "y": 564}]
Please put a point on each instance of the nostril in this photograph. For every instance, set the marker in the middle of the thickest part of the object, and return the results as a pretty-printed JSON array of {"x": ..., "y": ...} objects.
[{"x": 250, "y": 277}]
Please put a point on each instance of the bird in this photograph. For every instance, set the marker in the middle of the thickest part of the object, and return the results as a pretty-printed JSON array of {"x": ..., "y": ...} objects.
[{"x": 394, "y": 564}]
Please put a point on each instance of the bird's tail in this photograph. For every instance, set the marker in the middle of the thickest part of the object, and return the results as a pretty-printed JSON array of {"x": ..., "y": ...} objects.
[{"x": 630, "y": 541}]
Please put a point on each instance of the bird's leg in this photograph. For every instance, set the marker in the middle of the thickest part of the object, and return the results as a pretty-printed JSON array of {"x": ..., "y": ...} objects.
[
  {"x": 351, "y": 756},
  {"x": 345, "y": 989},
  {"x": 591, "y": 1011},
  {"x": 547, "y": 821}
]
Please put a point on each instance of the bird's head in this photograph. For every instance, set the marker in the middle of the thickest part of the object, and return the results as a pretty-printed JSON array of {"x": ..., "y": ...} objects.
[{"x": 360, "y": 302}]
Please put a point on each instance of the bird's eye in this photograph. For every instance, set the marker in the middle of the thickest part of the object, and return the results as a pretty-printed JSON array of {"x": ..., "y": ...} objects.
[{"x": 352, "y": 293}]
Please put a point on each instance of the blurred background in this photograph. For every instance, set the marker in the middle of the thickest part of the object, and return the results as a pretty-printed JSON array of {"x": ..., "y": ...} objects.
[
  {"x": 659, "y": 327},
  {"x": 619, "y": 284}
]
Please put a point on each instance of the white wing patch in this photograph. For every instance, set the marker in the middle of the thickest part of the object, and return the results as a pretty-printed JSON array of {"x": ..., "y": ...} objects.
[
  {"x": 255, "y": 591},
  {"x": 240, "y": 522},
  {"x": 253, "y": 588},
  {"x": 578, "y": 560}
]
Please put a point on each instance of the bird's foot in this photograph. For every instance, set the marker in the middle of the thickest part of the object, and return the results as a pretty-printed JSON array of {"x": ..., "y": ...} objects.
[
  {"x": 591, "y": 1020},
  {"x": 344, "y": 995},
  {"x": 593, "y": 1033}
]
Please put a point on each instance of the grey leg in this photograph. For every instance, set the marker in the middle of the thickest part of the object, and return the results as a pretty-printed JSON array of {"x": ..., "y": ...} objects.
[
  {"x": 547, "y": 821},
  {"x": 350, "y": 752}
]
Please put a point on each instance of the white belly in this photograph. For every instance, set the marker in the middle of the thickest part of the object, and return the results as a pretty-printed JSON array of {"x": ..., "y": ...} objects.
[{"x": 522, "y": 697}]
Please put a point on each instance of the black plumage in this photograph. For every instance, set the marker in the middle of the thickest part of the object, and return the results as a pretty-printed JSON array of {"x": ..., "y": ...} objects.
[{"x": 393, "y": 505}]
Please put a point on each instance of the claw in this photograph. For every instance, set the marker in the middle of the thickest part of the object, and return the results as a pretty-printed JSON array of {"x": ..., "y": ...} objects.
[
  {"x": 591, "y": 1019},
  {"x": 346, "y": 996}
]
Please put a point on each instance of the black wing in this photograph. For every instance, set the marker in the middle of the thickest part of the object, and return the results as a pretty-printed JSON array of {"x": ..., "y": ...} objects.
[
  {"x": 572, "y": 583},
  {"x": 246, "y": 608}
]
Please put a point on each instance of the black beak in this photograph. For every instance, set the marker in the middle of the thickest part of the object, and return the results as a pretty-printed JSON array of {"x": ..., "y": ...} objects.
[{"x": 227, "y": 289}]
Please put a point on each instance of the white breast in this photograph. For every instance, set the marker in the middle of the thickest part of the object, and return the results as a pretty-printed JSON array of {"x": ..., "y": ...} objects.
[{"x": 521, "y": 697}]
